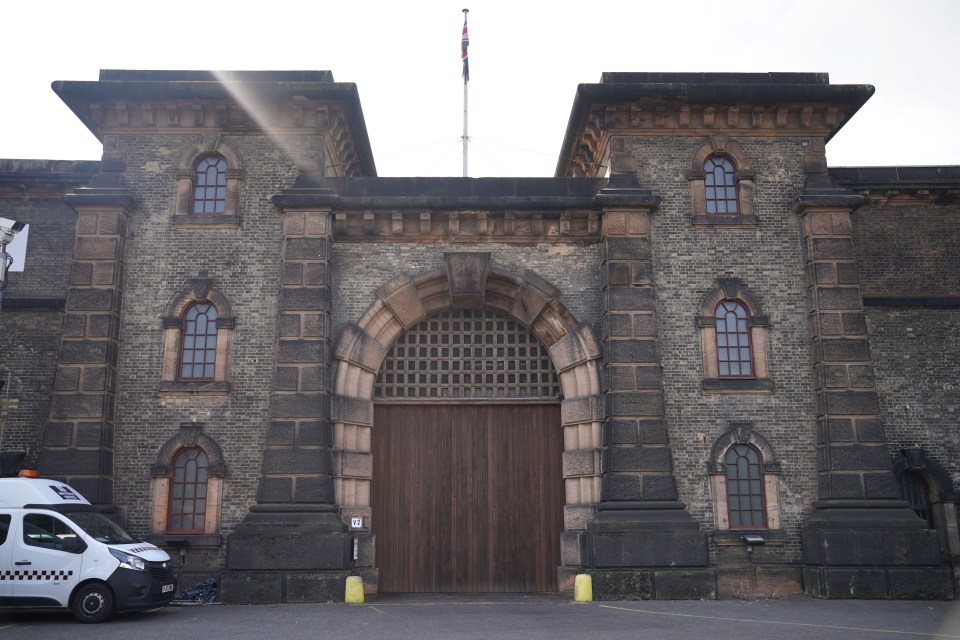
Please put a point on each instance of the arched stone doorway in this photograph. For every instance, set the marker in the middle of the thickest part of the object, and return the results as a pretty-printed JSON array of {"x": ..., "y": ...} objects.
[{"x": 468, "y": 281}]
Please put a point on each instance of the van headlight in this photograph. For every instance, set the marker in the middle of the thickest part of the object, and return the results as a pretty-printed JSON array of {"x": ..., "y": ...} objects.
[{"x": 128, "y": 561}]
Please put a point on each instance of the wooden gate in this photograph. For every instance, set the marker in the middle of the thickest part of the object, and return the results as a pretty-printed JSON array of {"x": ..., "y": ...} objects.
[{"x": 467, "y": 498}]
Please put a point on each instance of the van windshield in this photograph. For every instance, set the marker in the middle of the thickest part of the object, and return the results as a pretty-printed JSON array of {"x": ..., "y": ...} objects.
[{"x": 100, "y": 527}]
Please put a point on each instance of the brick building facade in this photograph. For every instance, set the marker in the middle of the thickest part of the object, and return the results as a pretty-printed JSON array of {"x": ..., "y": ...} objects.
[{"x": 696, "y": 363}]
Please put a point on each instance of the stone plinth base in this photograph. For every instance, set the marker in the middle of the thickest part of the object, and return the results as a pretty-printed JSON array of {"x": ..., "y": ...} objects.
[
  {"x": 759, "y": 581},
  {"x": 653, "y": 584},
  {"x": 644, "y": 535},
  {"x": 872, "y": 550},
  {"x": 271, "y": 587}
]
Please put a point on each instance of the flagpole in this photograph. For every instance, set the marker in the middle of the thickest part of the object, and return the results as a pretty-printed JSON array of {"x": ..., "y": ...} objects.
[{"x": 464, "y": 42}]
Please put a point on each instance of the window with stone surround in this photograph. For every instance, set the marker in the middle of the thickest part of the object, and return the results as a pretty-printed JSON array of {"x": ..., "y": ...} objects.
[
  {"x": 733, "y": 340},
  {"x": 187, "y": 488},
  {"x": 208, "y": 185},
  {"x": 721, "y": 185},
  {"x": 744, "y": 476},
  {"x": 198, "y": 336}
]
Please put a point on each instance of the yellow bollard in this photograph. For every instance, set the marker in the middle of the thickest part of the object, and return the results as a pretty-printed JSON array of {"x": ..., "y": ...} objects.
[
  {"x": 583, "y": 588},
  {"x": 354, "y": 590}
]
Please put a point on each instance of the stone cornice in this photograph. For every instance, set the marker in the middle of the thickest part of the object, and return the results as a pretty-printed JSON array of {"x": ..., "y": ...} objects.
[
  {"x": 520, "y": 210},
  {"x": 518, "y": 226},
  {"x": 44, "y": 178},
  {"x": 281, "y": 108},
  {"x": 692, "y": 107},
  {"x": 902, "y": 186}
]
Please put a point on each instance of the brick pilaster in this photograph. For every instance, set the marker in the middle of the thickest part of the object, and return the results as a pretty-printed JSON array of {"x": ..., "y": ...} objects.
[
  {"x": 640, "y": 522},
  {"x": 296, "y": 506},
  {"x": 861, "y": 540},
  {"x": 78, "y": 441},
  {"x": 852, "y": 457}
]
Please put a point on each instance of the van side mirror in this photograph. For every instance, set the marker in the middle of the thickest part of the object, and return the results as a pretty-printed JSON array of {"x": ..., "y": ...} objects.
[{"x": 73, "y": 544}]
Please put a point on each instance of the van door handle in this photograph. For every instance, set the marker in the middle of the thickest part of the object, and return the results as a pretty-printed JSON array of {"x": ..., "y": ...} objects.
[{"x": 22, "y": 563}]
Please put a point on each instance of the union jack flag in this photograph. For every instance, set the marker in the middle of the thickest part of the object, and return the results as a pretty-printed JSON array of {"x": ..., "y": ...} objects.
[{"x": 464, "y": 43}]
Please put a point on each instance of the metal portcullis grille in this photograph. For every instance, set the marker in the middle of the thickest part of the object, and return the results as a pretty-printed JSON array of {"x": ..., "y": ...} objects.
[{"x": 466, "y": 354}]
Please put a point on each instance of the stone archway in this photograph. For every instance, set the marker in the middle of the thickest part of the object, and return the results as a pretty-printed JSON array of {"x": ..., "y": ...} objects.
[{"x": 469, "y": 281}]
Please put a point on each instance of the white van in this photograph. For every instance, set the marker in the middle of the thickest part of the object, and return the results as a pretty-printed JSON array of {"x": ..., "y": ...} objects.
[{"x": 58, "y": 550}]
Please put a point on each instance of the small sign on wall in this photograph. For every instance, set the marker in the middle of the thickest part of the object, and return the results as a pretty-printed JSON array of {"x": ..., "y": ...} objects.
[{"x": 356, "y": 522}]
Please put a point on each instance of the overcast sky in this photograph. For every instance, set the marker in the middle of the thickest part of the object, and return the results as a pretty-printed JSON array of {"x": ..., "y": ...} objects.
[{"x": 526, "y": 60}]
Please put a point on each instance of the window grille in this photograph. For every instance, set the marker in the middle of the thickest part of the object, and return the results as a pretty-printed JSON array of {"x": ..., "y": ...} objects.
[{"x": 467, "y": 355}]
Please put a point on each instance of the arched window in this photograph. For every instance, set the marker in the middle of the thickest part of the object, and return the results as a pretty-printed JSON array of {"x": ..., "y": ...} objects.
[
  {"x": 197, "y": 339},
  {"x": 915, "y": 491},
  {"x": 733, "y": 340},
  {"x": 188, "y": 478},
  {"x": 745, "y": 504},
  {"x": 210, "y": 185},
  {"x": 188, "y": 492},
  {"x": 734, "y": 354},
  {"x": 198, "y": 342},
  {"x": 721, "y": 182},
  {"x": 720, "y": 185}
]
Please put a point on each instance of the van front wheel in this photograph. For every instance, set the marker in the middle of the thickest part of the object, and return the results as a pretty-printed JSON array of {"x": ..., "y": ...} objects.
[{"x": 93, "y": 602}]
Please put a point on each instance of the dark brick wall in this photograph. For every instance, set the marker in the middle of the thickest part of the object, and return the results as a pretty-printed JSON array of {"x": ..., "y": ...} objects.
[
  {"x": 915, "y": 354},
  {"x": 911, "y": 251},
  {"x": 29, "y": 342},
  {"x": 908, "y": 251},
  {"x": 31, "y": 191},
  {"x": 767, "y": 259}
]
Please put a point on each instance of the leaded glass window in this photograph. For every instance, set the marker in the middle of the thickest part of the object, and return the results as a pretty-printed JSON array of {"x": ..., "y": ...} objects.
[
  {"x": 210, "y": 185},
  {"x": 745, "y": 488},
  {"x": 720, "y": 185},
  {"x": 198, "y": 345},
  {"x": 188, "y": 491},
  {"x": 734, "y": 354}
]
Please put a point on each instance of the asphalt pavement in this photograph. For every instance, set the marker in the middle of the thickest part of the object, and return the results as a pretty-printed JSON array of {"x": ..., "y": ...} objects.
[{"x": 521, "y": 617}]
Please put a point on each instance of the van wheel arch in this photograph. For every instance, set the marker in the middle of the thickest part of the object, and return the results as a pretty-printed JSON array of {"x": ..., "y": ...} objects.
[{"x": 92, "y": 601}]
